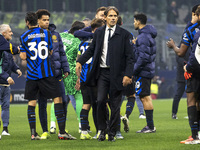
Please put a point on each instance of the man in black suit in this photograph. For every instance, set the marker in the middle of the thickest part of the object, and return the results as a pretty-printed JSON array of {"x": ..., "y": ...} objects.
[{"x": 112, "y": 69}]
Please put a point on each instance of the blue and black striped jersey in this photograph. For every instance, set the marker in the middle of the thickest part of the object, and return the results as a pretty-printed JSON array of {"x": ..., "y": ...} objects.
[
  {"x": 37, "y": 44},
  {"x": 88, "y": 65},
  {"x": 189, "y": 33}
]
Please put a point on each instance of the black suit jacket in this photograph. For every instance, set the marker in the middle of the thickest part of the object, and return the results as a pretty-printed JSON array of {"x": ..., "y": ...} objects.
[{"x": 121, "y": 56}]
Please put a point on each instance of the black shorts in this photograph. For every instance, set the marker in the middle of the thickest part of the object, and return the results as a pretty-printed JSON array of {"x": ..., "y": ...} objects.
[
  {"x": 142, "y": 86},
  {"x": 89, "y": 94},
  {"x": 48, "y": 87},
  {"x": 193, "y": 85},
  {"x": 129, "y": 89}
]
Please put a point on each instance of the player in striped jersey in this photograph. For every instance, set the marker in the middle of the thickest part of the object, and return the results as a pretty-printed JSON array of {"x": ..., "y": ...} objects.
[
  {"x": 36, "y": 46},
  {"x": 89, "y": 93},
  {"x": 60, "y": 66},
  {"x": 192, "y": 81},
  {"x": 187, "y": 37}
]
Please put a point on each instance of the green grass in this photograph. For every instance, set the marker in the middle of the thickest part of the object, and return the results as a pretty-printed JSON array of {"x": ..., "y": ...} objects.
[{"x": 169, "y": 132}]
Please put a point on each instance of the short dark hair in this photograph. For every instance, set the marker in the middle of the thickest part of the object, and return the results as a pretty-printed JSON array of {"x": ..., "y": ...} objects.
[
  {"x": 32, "y": 18},
  {"x": 194, "y": 8},
  {"x": 141, "y": 17},
  {"x": 96, "y": 23},
  {"x": 77, "y": 25},
  {"x": 41, "y": 12},
  {"x": 100, "y": 9},
  {"x": 119, "y": 21},
  {"x": 111, "y": 8},
  {"x": 197, "y": 12}
]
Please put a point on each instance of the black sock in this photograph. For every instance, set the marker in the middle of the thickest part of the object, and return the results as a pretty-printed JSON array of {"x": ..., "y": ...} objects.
[
  {"x": 149, "y": 118},
  {"x": 192, "y": 114},
  {"x": 31, "y": 119},
  {"x": 5, "y": 129},
  {"x": 129, "y": 106},
  {"x": 84, "y": 119},
  {"x": 59, "y": 113}
]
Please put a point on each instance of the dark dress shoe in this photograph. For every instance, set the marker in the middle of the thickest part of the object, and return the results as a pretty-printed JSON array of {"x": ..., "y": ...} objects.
[
  {"x": 102, "y": 136},
  {"x": 111, "y": 138}
]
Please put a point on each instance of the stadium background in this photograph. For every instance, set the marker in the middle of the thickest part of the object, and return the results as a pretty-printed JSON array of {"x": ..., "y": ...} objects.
[{"x": 64, "y": 12}]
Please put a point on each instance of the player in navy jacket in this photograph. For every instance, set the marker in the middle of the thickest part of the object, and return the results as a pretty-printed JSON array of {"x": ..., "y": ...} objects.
[
  {"x": 145, "y": 52},
  {"x": 144, "y": 67}
]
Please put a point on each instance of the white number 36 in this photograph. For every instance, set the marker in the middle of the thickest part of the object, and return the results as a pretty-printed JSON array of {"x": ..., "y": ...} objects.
[{"x": 38, "y": 51}]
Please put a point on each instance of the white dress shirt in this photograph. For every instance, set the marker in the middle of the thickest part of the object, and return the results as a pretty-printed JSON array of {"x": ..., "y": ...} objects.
[{"x": 105, "y": 46}]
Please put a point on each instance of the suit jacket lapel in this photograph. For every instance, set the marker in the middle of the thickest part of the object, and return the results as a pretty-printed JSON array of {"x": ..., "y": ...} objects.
[
  {"x": 117, "y": 31},
  {"x": 101, "y": 38}
]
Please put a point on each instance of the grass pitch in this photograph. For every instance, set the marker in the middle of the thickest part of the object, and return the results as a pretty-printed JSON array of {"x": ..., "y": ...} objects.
[{"x": 167, "y": 137}]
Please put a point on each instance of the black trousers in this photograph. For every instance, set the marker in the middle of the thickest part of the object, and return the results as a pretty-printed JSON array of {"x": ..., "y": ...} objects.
[
  {"x": 179, "y": 93},
  {"x": 103, "y": 86}
]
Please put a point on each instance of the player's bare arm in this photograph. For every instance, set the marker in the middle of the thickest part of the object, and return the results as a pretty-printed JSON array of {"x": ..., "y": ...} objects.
[{"x": 179, "y": 51}]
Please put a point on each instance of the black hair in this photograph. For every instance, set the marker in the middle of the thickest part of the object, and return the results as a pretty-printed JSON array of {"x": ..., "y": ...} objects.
[
  {"x": 32, "y": 18},
  {"x": 111, "y": 8},
  {"x": 197, "y": 12},
  {"x": 194, "y": 8},
  {"x": 41, "y": 12},
  {"x": 141, "y": 17},
  {"x": 96, "y": 23},
  {"x": 119, "y": 21},
  {"x": 77, "y": 25}
]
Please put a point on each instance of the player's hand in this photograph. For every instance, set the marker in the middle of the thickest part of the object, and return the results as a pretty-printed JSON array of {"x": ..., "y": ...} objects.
[
  {"x": 10, "y": 81},
  {"x": 18, "y": 49},
  {"x": 65, "y": 75},
  {"x": 134, "y": 41},
  {"x": 170, "y": 43},
  {"x": 184, "y": 68},
  {"x": 19, "y": 73},
  {"x": 187, "y": 75},
  {"x": 126, "y": 81},
  {"x": 78, "y": 84},
  {"x": 78, "y": 69}
]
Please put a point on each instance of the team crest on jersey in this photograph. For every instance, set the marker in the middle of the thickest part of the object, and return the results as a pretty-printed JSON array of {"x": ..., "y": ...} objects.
[
  {"x": 137, "y": 84},
  {"x": 54, "y": 37}
]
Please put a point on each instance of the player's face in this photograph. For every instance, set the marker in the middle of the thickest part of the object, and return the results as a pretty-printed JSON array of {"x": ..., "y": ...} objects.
[
  {"x": 111, "y": 18},
  {"x": 136, "y": 24},
  {"x": 44, "y": 22},
  {"x": 100, "y": 15},
  {"x": 8, "y": 34}
]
